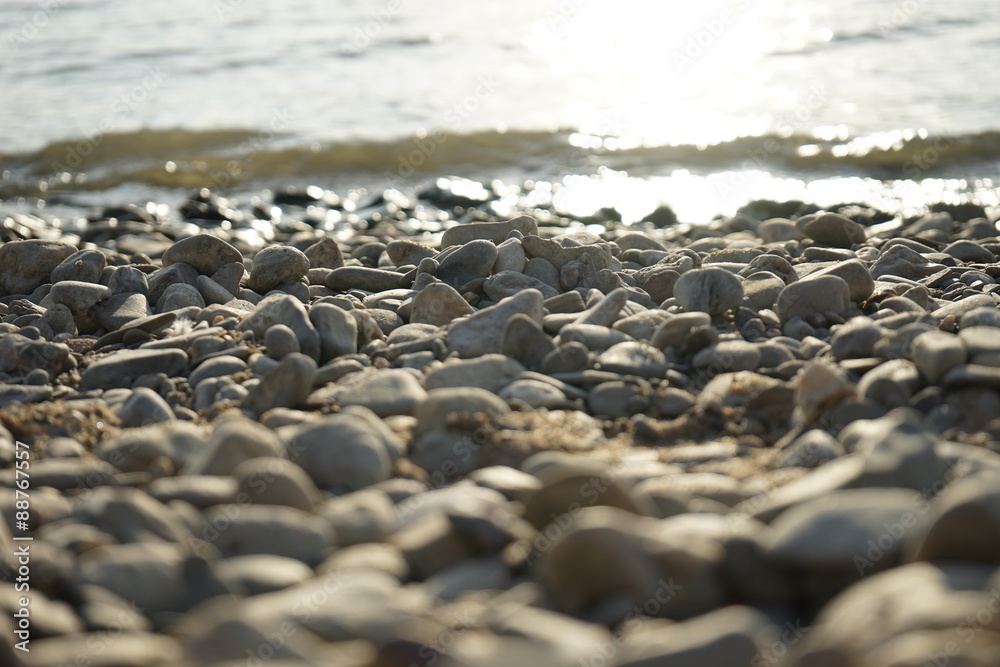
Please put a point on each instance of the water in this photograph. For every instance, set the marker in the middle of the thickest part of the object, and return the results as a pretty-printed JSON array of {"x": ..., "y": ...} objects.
[{"x": 707, "y": 107}]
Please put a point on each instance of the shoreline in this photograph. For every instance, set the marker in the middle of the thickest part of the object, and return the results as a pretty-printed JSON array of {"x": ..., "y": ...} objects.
[{"x": 383, "y": 438}]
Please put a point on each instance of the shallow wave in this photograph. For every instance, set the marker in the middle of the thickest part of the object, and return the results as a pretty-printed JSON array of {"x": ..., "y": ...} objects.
[{"x": 223, "y": 158}]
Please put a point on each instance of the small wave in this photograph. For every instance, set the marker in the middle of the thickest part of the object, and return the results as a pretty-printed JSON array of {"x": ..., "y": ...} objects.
[{"x": 228, "y": 157}]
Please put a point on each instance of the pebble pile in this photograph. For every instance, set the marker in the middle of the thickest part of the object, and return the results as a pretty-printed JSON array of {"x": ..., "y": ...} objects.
[{"x": 260, "y": 438}]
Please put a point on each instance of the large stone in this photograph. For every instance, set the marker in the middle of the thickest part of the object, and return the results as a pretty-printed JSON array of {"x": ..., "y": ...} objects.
[
  {"x": 472, "y": 260},
  {"x": 268, "y": 529},
  {"x": 79, "y": 297},
  {"x": 83, "y": 265},
  {"x": 26, "y": 265},
  {"x": 835, "y": 533},
  {"x": 439, "y": 304},
  {"x": 233, "y": 442},
  {"x": 342, "y": 452},
  {"x": 710, "y": 290},
  {"x": 860, "y": 283},
  {"x": 387, "y": 392},
  {"x": 491, "y": 372},
  {"x": 826, "y": 294},
  {"x": 831, "y": 229},
  {"x": 963, "y": 524},
  {"x": 206, "y": 253},
  {"x": 337, "y": 329},
  {"x": 494, "y": 232},
  {"x": 120, "y": 369},
  {"x": 275, "y": 265},
  {"x": 482, "y": 333}
]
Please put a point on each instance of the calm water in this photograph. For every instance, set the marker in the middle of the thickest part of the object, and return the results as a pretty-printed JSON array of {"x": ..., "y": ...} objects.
[{"x": 703, "y": 108}]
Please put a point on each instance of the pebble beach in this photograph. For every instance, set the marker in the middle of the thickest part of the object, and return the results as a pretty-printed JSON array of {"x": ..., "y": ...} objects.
[{"x": 400, "y": 429}]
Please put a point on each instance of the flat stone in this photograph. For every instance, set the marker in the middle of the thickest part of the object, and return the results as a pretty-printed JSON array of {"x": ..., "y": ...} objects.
[
  {"x": 733, "y": 635},
  {"x": 26, "y": 265},
  {"x": 968, "y": 304},
  {"x": 270, "y": 529},
  {"x": 482, "y": 333},
  {"x": 491, "y": 372},
  {"x": 559, "y": 256},
  {"x": 260, "y": 574},
  {"x": 120, "y": 369},
  {"x": 226, "y": 365},
  {"x": 439, "y": 304},
  {"x": 533, "y": 393},
  {"x": 777, "y": 230},
  {"x": 274, "y": 265},
  {"x": 710, "y": 290},
  {"x": 78, "y": 296},
  {"x": 495, "y": 232},
  {"x": 831, "y": 229},
  {"x": 970, "y": 252},
  {"x": 467, "y": 263},
  {"x": 728, "y": 356},
  {"x": 206, "y": 253},
  {"x": 972, "y": 375},
  {"x": 826, "y": 294},
  {"x": 508, "y": 283},
  {"x": 347, "y": 278},
  {"x": 387, "y": 392},
  {"x": 201, "y": 491},
  {"x": 633, "y": 358}
]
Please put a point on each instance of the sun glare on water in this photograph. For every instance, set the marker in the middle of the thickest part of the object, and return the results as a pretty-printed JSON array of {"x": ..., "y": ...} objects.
[{"x": 645, "y": 72}]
